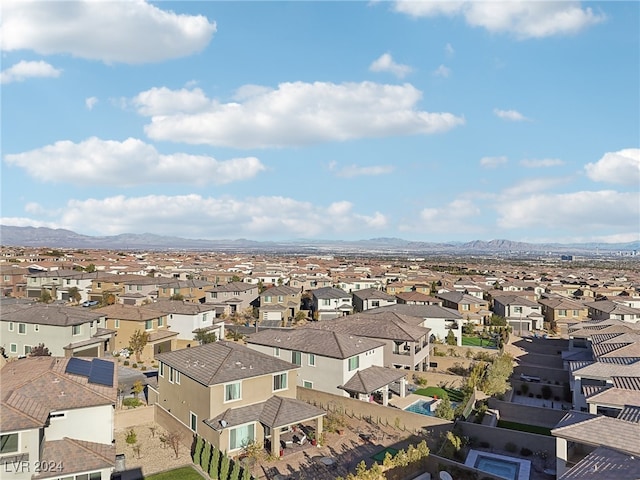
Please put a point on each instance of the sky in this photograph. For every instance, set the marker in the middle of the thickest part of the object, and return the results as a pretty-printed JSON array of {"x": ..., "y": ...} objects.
[{"x": 427, "y": 121}]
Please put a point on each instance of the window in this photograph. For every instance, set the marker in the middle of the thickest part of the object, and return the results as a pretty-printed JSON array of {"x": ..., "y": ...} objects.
[
  {"x": 22, "y": 328},
  {"x": 75, "y": 330},
  {"x": 375, "y": 303},
  {"x": 11, "y": 327},
  {"x": 57, "y": 415},
  {"x": 27, "y": 349},
  {"x": 160, "y": 321},
  {"x": 99, "y": 285},
  {"x": 267, "y": 299},
  {"x": 280, "y": 298},
  {"x": 177, "y": 377},
  {"x": 171, "y": 374},
  {"x": 148, "y": 324},
  {"x": 311, "y": 359},
  {"x": 241, "y": 436},
  {"x": 354, "y": 362},
  {"x": 562, "y": 313},
  {"x": 296, "y": 358},
  {"x": 232, "y": 392},
  {"x": 575, "y": 313},
  {"x": 517, "y": 309},
  {"x": 280, "y": 381},
  {"x": 161, "y": 370},
  {"x": 326, "y": 302},
  {"x": 214, "y": 295},
  {"x": 36, "y": 328},
  {"x": 276, "y": 351},
  {"x": 193, "y": 421},
  {"x": 13, "y": 348},
  {"x": 139, "y": 287},
  {"x": 116, "y": 323},
  {"x": 204, "y": 317},
  {"x": 9, "y": 443},
  {"x": 465, "y": 306},
  {"x": 307, "y": 384}
]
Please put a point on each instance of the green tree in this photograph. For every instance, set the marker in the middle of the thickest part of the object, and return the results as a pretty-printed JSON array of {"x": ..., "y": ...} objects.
[
  {"x": 107, "y": 299},
  {"x": 45, "y": 296},
  {"x": 214, "y": 468},
  {"x": 300, "y": 316},
  {"x": 451, "y": 445},
  {"x": 445, "y": 409},
  {"x": 197, "y": 451},
  {"x": 206, "y": 457},
  {"x": 236, "y": 278},
  {"x": 261, "y": 287},
  {"x": 90, "y": 268},
  {"x": 205, "y": 336},
  {"x": 451, "y": 338},
  {"x": 137, "y": 342},
  {"x": 496, "y": 378},
  {"x": 235, "y": 471},
  {"x": 74, "y": 294},
  {"x": 224, "y": 468},
  {"x": 40, "y": 351},
  {"x": 137, "y": 388},
  {"x": 498, "y": 320},
  {"x": 176, "y": 296}
]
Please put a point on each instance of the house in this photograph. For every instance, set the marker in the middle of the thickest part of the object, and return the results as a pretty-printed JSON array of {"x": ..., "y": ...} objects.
[
  {"x": 439, "y": 320},
  {"x": 604, "y": 309},
  {"x": 330, "y": 302},
  {"x": 406, "y": 343},
  {"x": 598, "y": 447},
  {"x": 352, "y": 285},
  {"x": 65, "y": 331},
  {"x": 371, "y": 298},
  {"x": 13, "y": 281},
  {"x": 231, "y": 395},
  {"x": 472, "y": 308},
  {"x": 520, "y": 313},
  {"x": 125, "y": 320},
  {"x": 58, "y": 413},
  {"x": 558, "y": 312},
  {"x": 190, "y": 290},
  {"x": 140, "y": 289},
  {"x": 232, "y": 298},
  {"x": 333, "y": 362},
  {"x": 58, "y": 284},
  {"x": 185, "y": 318},
  {"x": 279, "y": 303},
  {"x": 417, "y": 298}
]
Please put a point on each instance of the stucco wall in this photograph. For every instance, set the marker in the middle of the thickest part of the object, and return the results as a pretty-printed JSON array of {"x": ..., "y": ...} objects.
[{"x": 499, "y": 437}]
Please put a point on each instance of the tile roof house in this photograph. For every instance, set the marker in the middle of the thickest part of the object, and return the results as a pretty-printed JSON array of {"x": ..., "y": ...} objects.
[
  {"x": 279, "y": 303},
  {"x": 330, "y": 302},
  {"x": 605, "y": 309},
  {"x": 329, "y": 361},
  {"x": 186, "y": 318},
  {"x": 65, "y": 331},
  {"x": 232, "y": 298},
  {"x": 232, "y": 395},
  {"x": 406, "y": 342},
  {"x": 371, "y": 298},
  {"x": 519, "y": 312},
  {"x": 58, "y": 412},
  {"x": 558, "y": 312}
]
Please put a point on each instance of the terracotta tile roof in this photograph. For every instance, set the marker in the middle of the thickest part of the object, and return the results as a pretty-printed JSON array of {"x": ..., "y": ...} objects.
[
  {"x": 604, "y": 464},
  {"x": 33, "y": 387},
  {"x": 275, "y": 412},
  {"x": 180, "y": 307},
  {"x": 373, "y": 378},
  {"x": 325, "y": 343},
  {"x": 423, "y": 311},
  {"x": 605, "y": 431},
  {"x": 75, "y": 456},
  {"x": 121, "y": 311},
  {"x": 54, "y": 315},
  {"x": 220, "y": 362},
  {"x": 389, "y": 326}
]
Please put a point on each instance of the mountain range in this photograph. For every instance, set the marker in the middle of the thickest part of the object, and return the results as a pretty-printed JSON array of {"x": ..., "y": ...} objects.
[{"x": 61, "y": 238}]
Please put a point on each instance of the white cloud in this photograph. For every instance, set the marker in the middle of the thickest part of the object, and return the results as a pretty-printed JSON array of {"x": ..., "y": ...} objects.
[
  {"x": 578, "y": 211},
  {"x": 442, "y": 71},
  {"x": 90, "y": 102},
  {"x": 493, "y": 162},
  {"x": 531, "y": 185},
  {"x": 621, "y": 167},
  {"x": 164, "y": 101},
  {"x": 27, "y": 222},
  {"x": 385, "y": 63},
  {"x": 112, "y": 32},
  {"x": 24, "y": 69},
  {"x": 520, "y": 18},
  {"x": 456, "y": 217},
  {"x": 195, "y": 216},
  {"x": 449, "y": 50},
  {"x": 350, "y": 171},
  {"x": 127, "y": 163},
  {"x": 541, "y": 162},
  {"x": 510, "y": 115},
  {"x": 294, "y": 114}
]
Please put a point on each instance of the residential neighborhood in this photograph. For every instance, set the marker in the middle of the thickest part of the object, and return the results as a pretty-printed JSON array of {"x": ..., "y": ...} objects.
[{"x": 266, "y": 371}]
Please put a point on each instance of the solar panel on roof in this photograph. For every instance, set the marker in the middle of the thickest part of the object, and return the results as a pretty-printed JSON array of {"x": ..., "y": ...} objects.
[
  {"x": 77, "y": 366},
  {"x": 101, "y": 372}
]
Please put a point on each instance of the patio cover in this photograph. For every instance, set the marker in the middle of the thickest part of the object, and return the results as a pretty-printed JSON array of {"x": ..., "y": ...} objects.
[{"x": 372, "y": 379}]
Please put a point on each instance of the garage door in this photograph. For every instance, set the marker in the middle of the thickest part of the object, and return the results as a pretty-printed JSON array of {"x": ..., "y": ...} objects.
[{"x": 272, "y": 316}]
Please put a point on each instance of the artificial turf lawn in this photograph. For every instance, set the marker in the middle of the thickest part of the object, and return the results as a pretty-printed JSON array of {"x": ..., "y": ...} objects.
[
  {"x": 523, "y": 427},
  {"x": 379, "y": 457},
  {"x": 454, "y": 395},
  {"x": 477, "y": 342},
  {"x": 182, "y": 473}
]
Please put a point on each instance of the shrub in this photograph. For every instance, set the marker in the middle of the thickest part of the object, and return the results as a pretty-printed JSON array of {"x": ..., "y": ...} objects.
[
  {"x": 131, "y": 402},
  {"x": 135, "y": 365},
  {"x": 525, "y": 388},
  {"x": 538, "y": 396},
  {"x": 546, "y": 392},
  {"x": 531, "y": 395},
  {"x": 525, "y": 452},
  {"x": 143, "y": 367},
  {"x": 131, "y": 438},
  {"x": 511, "y": 447},
  {"x": 556, "y": 398},
  {"x": 126, "y": 363}
]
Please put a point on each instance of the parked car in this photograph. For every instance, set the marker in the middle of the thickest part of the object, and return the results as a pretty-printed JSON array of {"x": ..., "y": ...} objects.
[{"x": 90, "y": 303}]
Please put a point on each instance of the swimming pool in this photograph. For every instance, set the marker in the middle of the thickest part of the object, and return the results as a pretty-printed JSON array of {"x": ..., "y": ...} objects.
[
  {"x": 425, "y": 407},
  {"x": 509, "y": 468}
]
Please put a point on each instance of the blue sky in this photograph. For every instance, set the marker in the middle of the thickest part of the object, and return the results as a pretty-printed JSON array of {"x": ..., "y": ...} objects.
[{"x": 332, "y": 120}]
